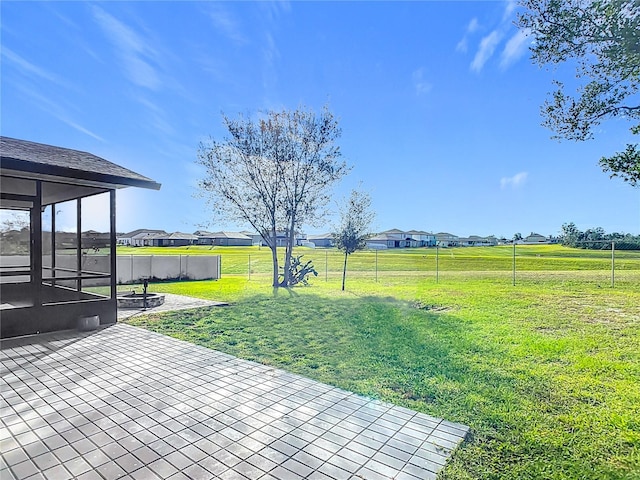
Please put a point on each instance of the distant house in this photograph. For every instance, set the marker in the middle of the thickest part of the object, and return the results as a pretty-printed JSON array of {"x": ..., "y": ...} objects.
[
  {"x": 445, "y": 239},
  {"x": 282, "y": 237},
  {"x": 401, "y": 239},
  {"x": 256, "y": 238},
  {"x": 94, "y": 240},
  {"x": 536, "y": 238},
  {"x": 226, "y": 239},
  {"x": 464, "y": 242},
  {"x": 323, "y": 240},
  {"x": 139, "y": 236},
  {"x": 396, "y": 238},
  {"x": 204, "y": 237},
  {"x": 477, "y": 241},
  {"x": 175, "y": 239},
  {"x": 395, "y": 234},
  {"x": 490, "y": 241},
  {"x": 424, "y": 239},
  {"x": 383, "y": 240}
]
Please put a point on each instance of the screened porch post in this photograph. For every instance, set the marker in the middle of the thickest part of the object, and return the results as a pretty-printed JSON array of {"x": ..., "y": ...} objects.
[
  {"x": 36, "y": 231},
  {"x": 112, "y": 239},
  {"x": 53, "y": 244},
  {"x": 79, "y": 246}
]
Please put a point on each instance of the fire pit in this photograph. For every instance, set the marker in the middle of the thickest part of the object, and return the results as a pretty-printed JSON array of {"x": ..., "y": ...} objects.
[
  {"x": 137, "y": 300},
  {"x": 140, "y": 300}
]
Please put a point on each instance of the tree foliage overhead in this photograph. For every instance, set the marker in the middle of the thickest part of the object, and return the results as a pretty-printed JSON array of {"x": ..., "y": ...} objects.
[
  {"x": 354, "y": 230},
  {"x": 602, "y": 38},
  {"x": 273, "y": 173}
]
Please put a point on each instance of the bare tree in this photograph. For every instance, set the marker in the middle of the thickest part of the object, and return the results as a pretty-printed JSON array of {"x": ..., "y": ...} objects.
[
  {"x": 355, "y": 226},
  {"x": 274, "y": 173}
]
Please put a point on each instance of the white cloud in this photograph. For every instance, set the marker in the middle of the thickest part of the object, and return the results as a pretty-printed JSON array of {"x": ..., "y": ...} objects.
[
  {"x": 270, "y": 55},
  {"x": 28, "y": 67},
  {"x": 134, "y": 51},
  {"x": 473, "y": 25},
  {"x": 487, "y": 46},
  {"x": 462, "y": 45},
  {"x": 514, "y": 49},
  {"x": 508, "y": 9},
  {"x": 55, "y": 110},
  {"x": 514, "y": 182},
  {"x": 225, "y": 23},
  {"x": 421, "y": 85}
]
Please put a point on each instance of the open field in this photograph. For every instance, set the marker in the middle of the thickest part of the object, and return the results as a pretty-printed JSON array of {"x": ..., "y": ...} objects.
[
  {"x": 545, "y": 373},
  {"x": 532, "y": 262}
]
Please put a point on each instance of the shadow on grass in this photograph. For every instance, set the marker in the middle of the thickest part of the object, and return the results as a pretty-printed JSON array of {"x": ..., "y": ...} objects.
[
  {"x": 434, "y": 362},
  {"x": 378, "y": 347}
]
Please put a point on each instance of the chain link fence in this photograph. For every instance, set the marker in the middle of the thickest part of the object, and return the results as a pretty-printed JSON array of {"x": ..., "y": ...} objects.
[{"x": 515, "y": 264}]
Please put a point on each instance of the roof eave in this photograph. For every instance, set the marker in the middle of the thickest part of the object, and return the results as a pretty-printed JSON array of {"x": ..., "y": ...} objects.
[{"x": 32, "y": 167}]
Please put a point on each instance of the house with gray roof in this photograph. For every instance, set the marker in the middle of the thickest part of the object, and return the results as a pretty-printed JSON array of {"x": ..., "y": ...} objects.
[
  {"x": 226, "y": 239},
  {"x": 175, "y": 239},
  {"x": 322, "y": 240},
  {"x": 139, "y": 234}
]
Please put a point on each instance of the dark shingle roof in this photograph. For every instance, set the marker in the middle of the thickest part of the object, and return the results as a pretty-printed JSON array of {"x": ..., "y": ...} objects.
[
  {"x": 234, "y": 235},
  {"x": 140, "y": 230},
  {"x": 175, "y": 236},
  {"x": 26, "y": 156}
]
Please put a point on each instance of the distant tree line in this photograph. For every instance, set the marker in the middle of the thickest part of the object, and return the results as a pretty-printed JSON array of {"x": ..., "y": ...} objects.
[{"x": 597, "y": 238}]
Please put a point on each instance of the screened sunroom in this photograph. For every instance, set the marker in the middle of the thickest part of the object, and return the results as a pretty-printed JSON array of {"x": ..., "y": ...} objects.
[{"x": 53, "y": 270}]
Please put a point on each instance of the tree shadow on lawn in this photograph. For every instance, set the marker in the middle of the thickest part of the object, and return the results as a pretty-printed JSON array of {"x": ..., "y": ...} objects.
[
  {"x": 381, "y": 348},
  {"x": 525, "y": 423}
]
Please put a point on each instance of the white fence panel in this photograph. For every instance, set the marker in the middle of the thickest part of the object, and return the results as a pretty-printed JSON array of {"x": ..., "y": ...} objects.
[{"x": 134, "y": 268}]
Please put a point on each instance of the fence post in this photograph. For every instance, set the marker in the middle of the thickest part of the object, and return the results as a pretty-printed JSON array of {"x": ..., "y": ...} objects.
[
  {"x": 249, "y": 267},
  {"x": 514, "y": 263},
  {"x": 376, "y": 266},
  {"x": 326, "y": 265},
  {"x": 437, "y": 263},
  {"x": 613, "y": 264}
]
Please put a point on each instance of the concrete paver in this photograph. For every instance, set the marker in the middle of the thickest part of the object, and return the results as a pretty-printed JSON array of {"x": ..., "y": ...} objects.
[
  {"x": 122, "y": 402},
  {"x": 171, "y": 303}
]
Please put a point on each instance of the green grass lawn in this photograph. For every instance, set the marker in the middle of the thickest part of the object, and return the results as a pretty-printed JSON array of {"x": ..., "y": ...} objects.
[{"x": 546, "y": 374}]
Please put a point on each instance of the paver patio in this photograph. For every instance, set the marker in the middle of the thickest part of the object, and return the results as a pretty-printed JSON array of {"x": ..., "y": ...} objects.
[{"x": 122, "y": 402}]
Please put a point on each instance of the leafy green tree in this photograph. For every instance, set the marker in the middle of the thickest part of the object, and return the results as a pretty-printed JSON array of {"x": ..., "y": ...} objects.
[
  {"x": 594, "y": 239},
  {"x": 602, "y": 38},
  {"x": 517, "y": 236},
  {"x": 354, "y": 230},
  {"x": 570, "y": 235},
  {"x": 597, "y": 239},
  {"x": 273, "y": 173}
]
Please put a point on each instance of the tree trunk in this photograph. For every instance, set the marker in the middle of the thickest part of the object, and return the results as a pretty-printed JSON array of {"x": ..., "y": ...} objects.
[
  {"x": 287, "y": 255},
  {"x": 274, "y": 256},
  {"x": 344, "y": 270}
]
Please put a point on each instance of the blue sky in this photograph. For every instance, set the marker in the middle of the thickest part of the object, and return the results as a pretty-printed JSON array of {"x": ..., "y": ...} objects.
[{"x": 438, "y": 102}]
